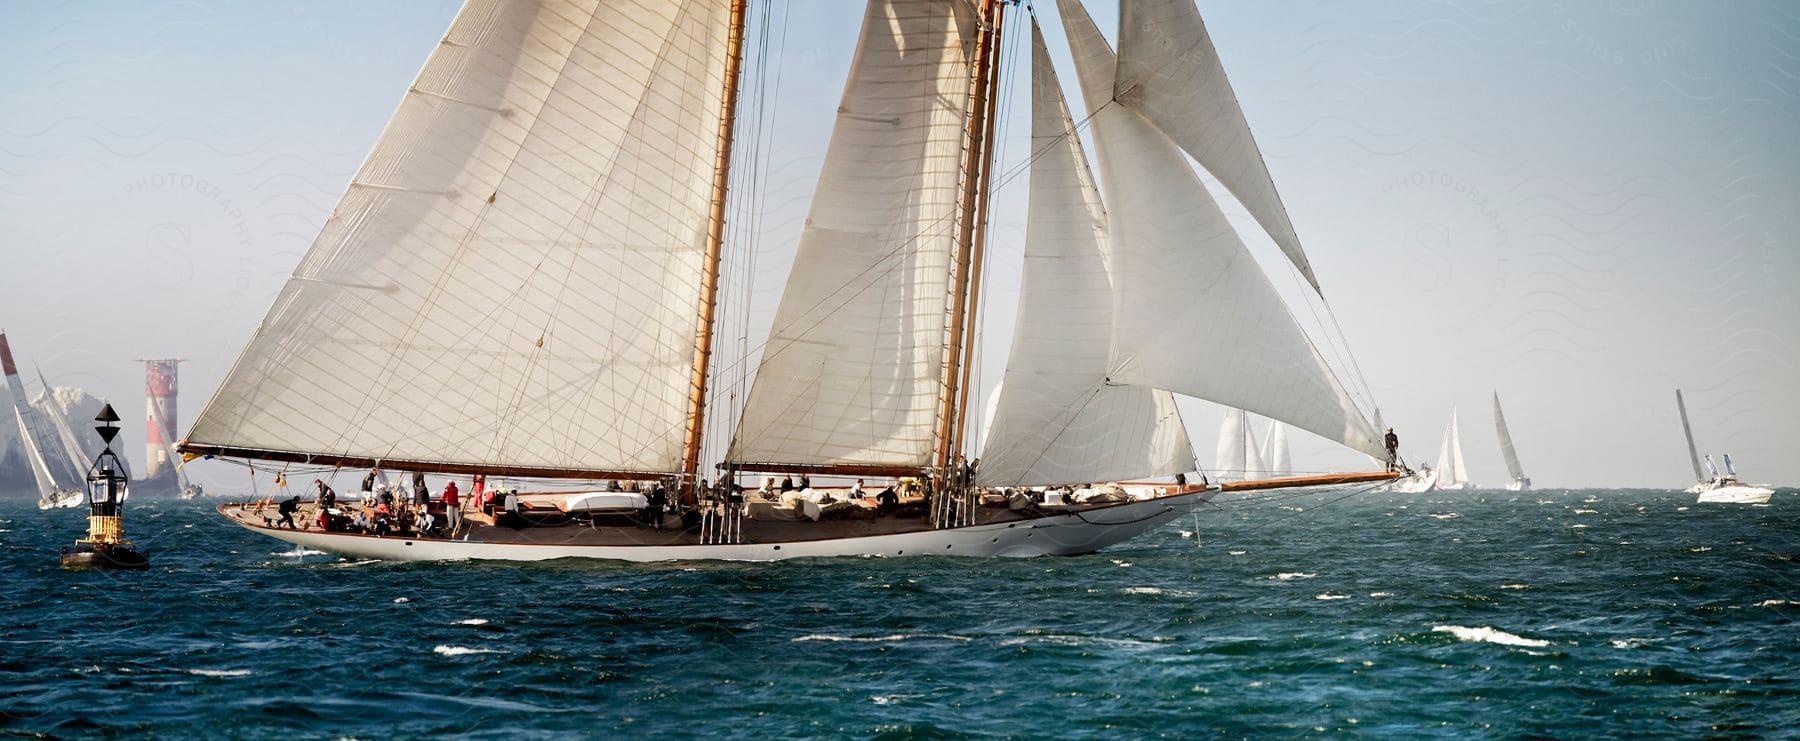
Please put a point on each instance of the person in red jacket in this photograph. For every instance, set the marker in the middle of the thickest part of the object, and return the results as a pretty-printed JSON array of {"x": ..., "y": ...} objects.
[{"x": 452, "y": 509}]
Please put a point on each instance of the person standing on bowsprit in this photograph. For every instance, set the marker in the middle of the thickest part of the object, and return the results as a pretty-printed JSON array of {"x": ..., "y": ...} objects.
[{"x": 1393, "y": 448}]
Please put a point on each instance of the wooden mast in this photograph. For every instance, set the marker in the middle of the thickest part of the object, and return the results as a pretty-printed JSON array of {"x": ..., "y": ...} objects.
[
  {"x": 981, "y": 223},
  {"x": 973, "y": 154},
  {"x": 715, "y": 241}
]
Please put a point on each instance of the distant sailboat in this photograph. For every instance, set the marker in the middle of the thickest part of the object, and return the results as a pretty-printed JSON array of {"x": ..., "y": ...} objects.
[
  {"x": 1275, "y": 451},
  {"x": 1714, "y": 487},
  {"x": 1240, "y": 457},
  {"x": 1452, "y": 474},
  {"x": 59, "y": 478},
  {"x": 1519, "y": 481}
]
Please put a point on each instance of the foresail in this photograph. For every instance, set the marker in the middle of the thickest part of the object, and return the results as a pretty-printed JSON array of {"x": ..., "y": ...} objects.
[
  {"x": 1057, "y": 420},
  {"x": 1180, "y": 265},
  {"x": 852, "y": 370},
  {"x": 1169, "y": 71},
  {"x": 511, "y": 279},
  {"x": 1446, "y": 462},
  {"x": 1506, "y": 442}
]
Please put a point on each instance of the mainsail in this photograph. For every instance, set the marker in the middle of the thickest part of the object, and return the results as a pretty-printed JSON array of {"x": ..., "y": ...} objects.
[
  {"x": 1169, "y": 71},
  {"x": 852, "y": 372},
  {"x": 1180, "y": 264},
  {"x": 510, "y": 282},
  {"x": 1506, "y": 443},
  {"x": 52, "y": 467},
  {"x": 1688, "y": 432},
  {"x": 1057, "y": 419}
]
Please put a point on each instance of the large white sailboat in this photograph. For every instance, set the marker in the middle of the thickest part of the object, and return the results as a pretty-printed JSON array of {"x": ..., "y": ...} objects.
[
  {"x": 568, "y": 163},
  {"x": 1451, "y": 473},
  {"x": 1519, "y": 481},
  {"x": 1714, "y": 487},
  {"x": 54, "y": 469}
]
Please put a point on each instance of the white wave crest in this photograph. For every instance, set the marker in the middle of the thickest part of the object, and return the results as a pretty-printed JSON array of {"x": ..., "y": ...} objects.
[
  {"x": 1488, "y": 635},
  {"x": 880, "y": 639},
  {"x": 1329, "y": 596},
  {"x": 221, "y": 672},
  {"x": 1775, "y": 603},
  {"x": 471, "y": 621},
  {"x": 461, "y": 651},
  {"x": 1292, "y": 575}
]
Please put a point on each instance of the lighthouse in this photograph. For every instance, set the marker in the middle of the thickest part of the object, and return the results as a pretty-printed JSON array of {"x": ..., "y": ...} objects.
[{"x": 159, "y": 416}]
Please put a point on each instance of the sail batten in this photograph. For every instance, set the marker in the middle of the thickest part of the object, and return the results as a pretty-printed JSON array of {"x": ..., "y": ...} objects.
[
  {"x": 512, "y": 278},
  {"x": 853, "y": 370},
  {"x": 1057, "y": 420},
  {"x": 1184, "y": 267}
]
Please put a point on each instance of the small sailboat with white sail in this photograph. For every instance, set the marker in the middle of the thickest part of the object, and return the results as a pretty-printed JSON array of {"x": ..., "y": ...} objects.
[
  {"x": 1451, "y": 473},
  {"x": 573, "y": 166},
  {"x": 56, "y": 471},
  {"x": 1519, "y": 481},
  {"x": 1712, "y": 486}
]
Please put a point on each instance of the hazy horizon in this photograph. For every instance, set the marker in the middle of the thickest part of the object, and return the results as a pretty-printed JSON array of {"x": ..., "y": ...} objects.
[{"x": 1581, "y": 206}]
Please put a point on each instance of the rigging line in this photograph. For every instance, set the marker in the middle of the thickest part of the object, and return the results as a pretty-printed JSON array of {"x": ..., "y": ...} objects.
[{"x": 1354, "y": 491}]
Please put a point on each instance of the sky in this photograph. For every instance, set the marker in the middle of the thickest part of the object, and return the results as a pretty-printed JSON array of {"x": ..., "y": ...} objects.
[{"x": 1580, "y": 205}]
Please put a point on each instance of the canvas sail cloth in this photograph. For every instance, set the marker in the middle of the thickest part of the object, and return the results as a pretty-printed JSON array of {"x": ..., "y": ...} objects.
[
  {"x": 1169, "y": 72},
  {"x": 852, "y": 371},
  {"x": 1057, "y": 420},
  {"x": 1179, "y": 264},
  {"x": 512, "y": 278},
  {"x": 1450, "y": 469},
  {"x": 1506, "y": 443},
  {"x": 1275, "y": 451},
  {"x": 1230, "y": 457}
]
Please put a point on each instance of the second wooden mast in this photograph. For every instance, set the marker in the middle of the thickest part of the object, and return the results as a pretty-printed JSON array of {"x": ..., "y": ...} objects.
[
  {"x": 977, "y": 160},
  {"x": 715, "y": 243}
]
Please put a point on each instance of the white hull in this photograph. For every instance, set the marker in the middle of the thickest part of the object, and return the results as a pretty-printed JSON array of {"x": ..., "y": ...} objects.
[
  {"x": 1059, "y": 535},
  {"x": 1518, "y": 486},
  {"x": 1734, "y": 494},
  {"x": 61, "y": 500},
  {"x": 1414, "y": 484}
]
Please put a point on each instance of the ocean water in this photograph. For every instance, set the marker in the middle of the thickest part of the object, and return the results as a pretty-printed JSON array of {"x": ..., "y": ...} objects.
[{"x": 1558, "y": 613}]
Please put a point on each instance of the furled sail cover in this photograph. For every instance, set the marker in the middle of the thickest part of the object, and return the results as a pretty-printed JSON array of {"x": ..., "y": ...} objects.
[
  {"x": 1196, "y": 315},
  {"x": 851, "y": 372},
  {"x": 512, "y": 277},
  {"x": 1506, "y": 443},
  {"x": 1058, "y": 421},
  {"x": 1169, "y": 71}
]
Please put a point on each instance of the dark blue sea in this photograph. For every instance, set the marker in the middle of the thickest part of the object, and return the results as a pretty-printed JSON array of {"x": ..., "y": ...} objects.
[{"x": 1574, "y": 614}]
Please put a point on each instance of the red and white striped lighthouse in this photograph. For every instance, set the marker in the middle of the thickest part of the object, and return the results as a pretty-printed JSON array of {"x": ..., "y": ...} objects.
[{"x": 159, "y": 416}]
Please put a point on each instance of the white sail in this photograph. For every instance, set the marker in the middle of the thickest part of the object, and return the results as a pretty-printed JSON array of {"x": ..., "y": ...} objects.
[
  {"x": 1255, "y": 466},
  {"x": 852, "y": 370},
  {"x": 1181, "y": 267},
  {"x": 1057, "y": 420},
  {"x": 50, "y": 468},
  {"x": 1276, "y": 454},
  {"x": 1506, "y": 443},
  {"x": 1381, "y": 430},
  {"x": 1688, "y": 432},
  {"x": 1229, "y": 460},
  {"x": 512, "y": 277},
  {"x": 1451, "y": 473},
  {"x": 1169, "y": 71}
]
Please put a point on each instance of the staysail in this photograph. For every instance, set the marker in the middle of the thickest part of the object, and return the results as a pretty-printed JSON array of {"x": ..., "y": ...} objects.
[
  {"x": 1506, "y": 443},
  {"x": 1057, "y": 420},
  {"x": 1180, "y": 264},
  {"x": 527, "y": 234},
  {"x": 1688, "y": 432},
  {"x": 852, "y": 371},
  {"x": 1169, "y": 71}
]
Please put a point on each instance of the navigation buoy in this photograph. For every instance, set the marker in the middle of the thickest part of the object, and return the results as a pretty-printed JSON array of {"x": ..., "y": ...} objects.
[{"x": 105, "y": 547}]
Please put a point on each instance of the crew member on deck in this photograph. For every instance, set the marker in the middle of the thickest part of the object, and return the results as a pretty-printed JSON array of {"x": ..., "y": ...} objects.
[
  {"x": 368, "y": 484},
  {"x": 1393, "y": 448},
  {"x": 287, "y": 509},
  {"x": 327, "y": 498},
  {"x": 452, "y": 509}
]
